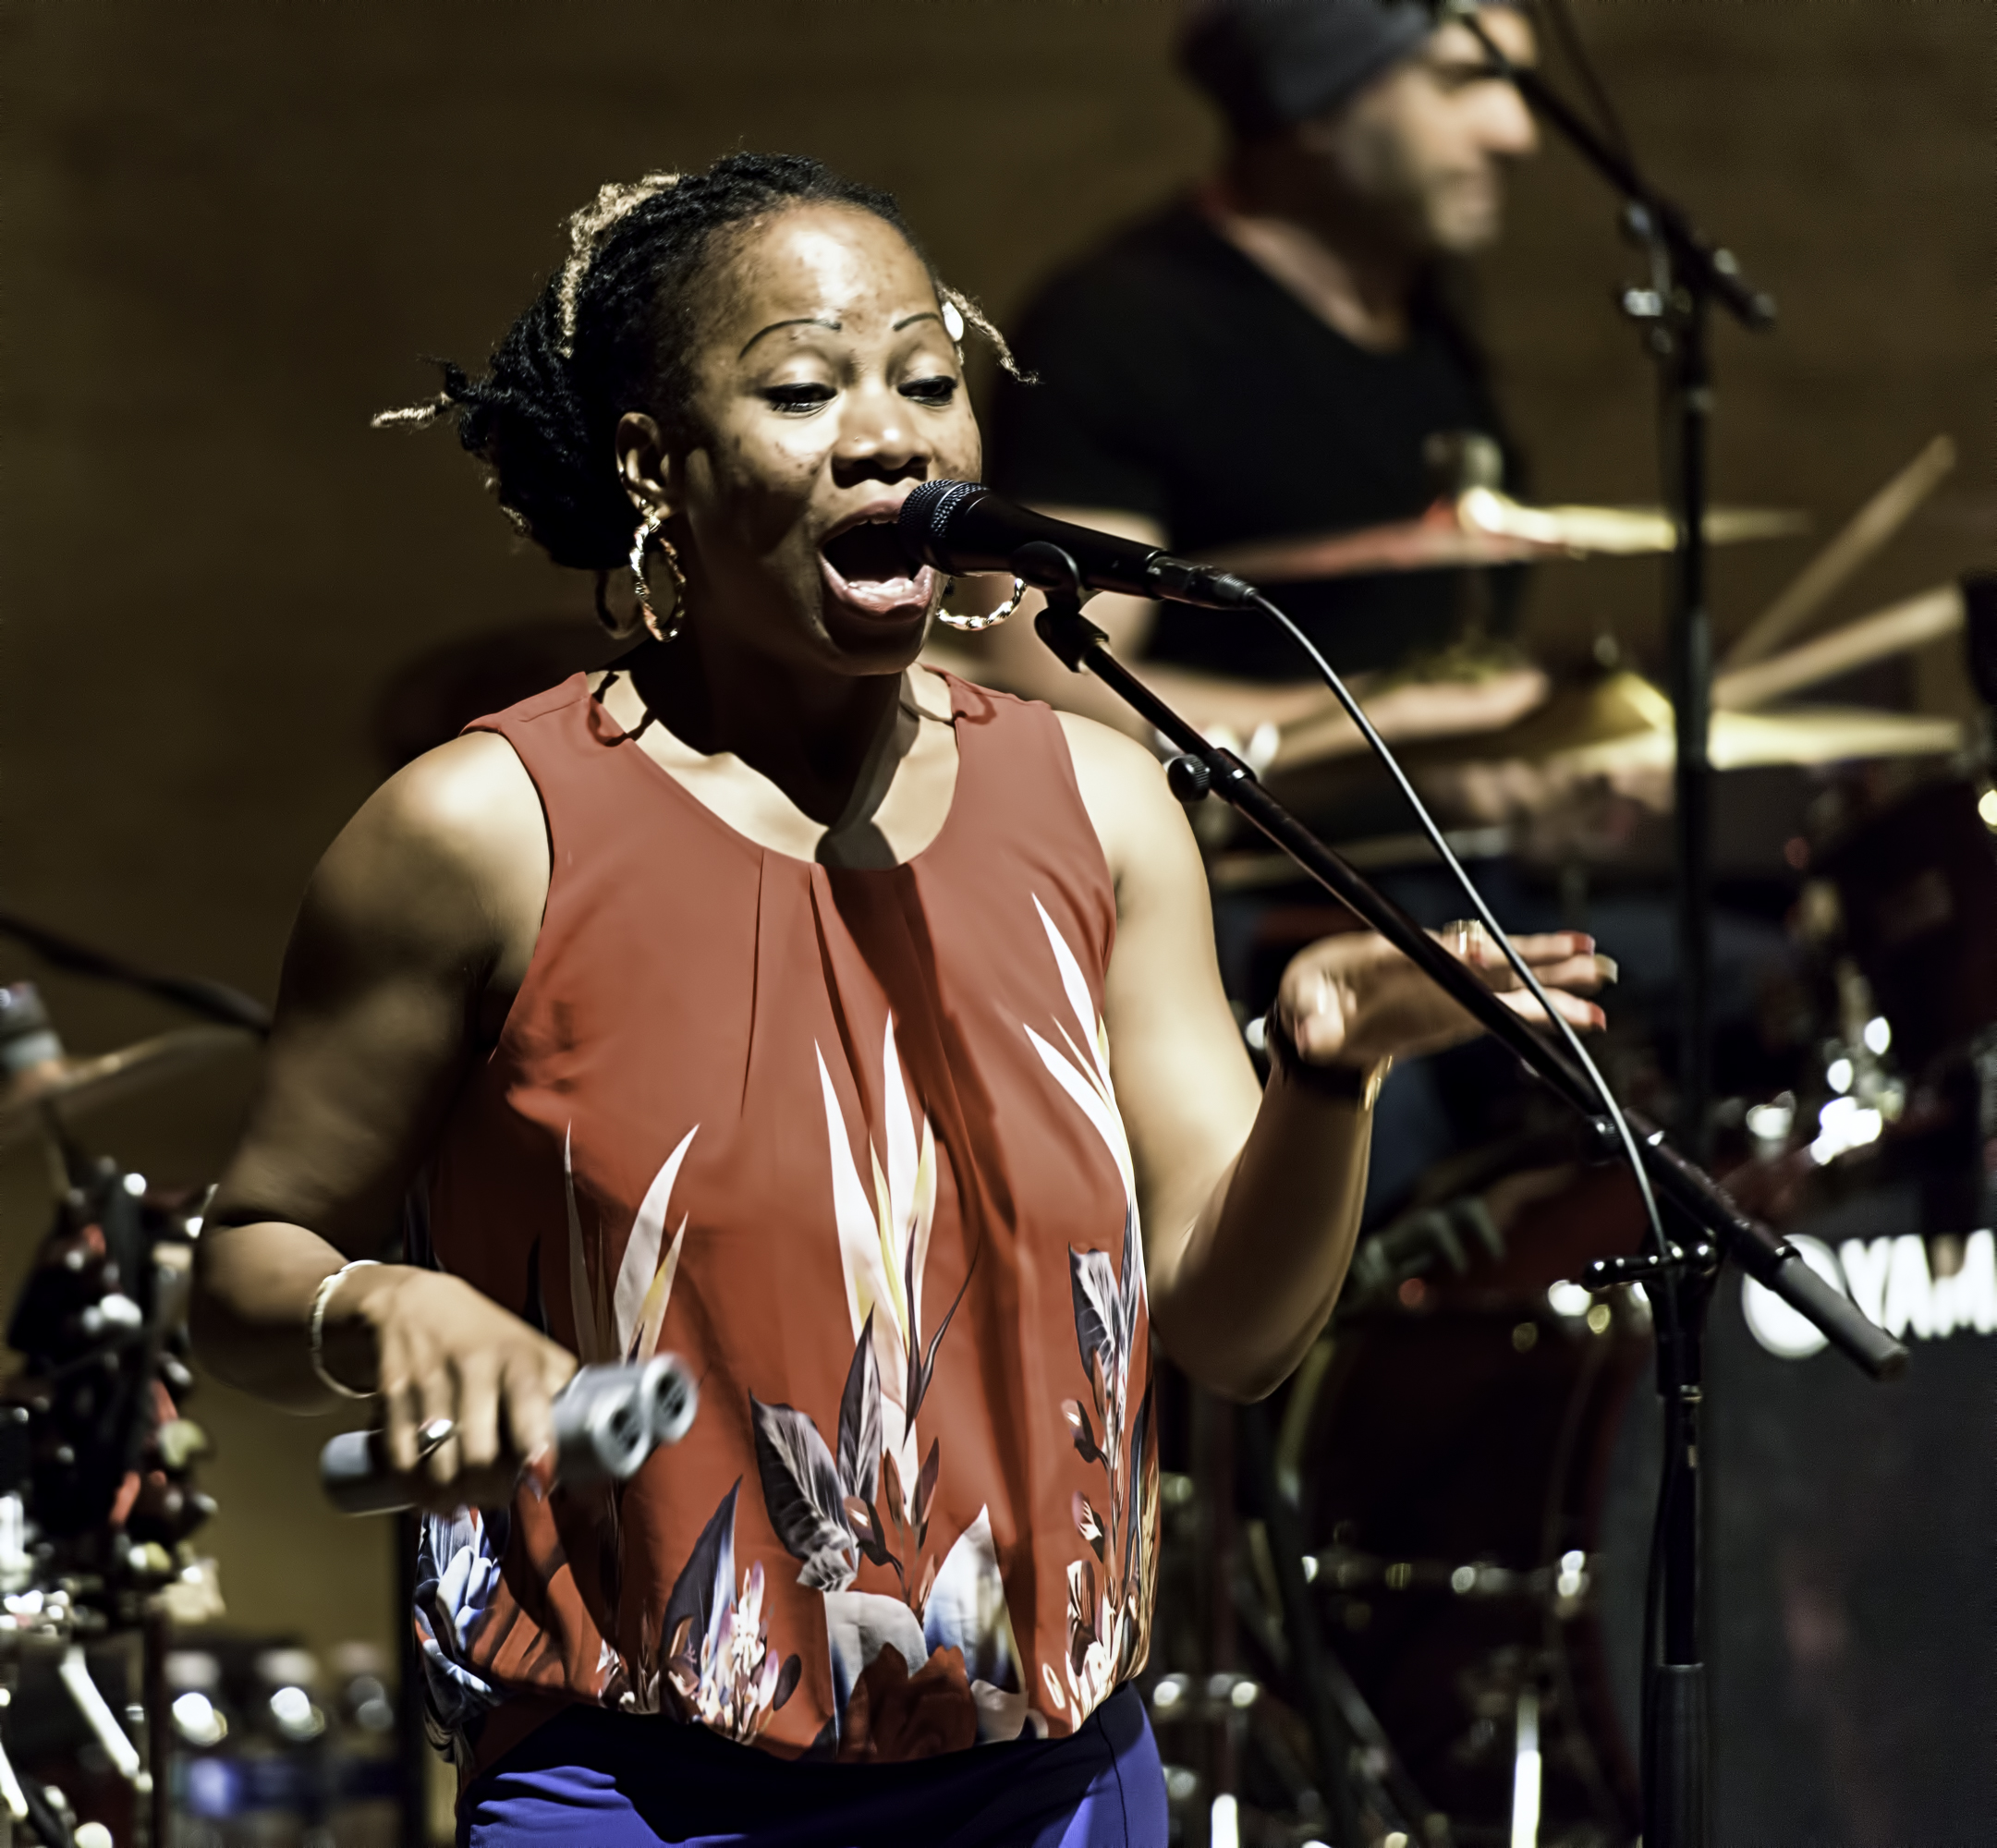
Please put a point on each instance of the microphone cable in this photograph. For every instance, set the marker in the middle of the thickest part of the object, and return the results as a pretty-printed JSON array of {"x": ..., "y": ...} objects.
[{"x": 1436, "y": 839}]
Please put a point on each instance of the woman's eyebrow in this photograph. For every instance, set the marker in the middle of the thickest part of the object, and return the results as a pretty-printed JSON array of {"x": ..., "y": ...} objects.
[
  {"x": 910, "y": 320},
  {"x": 795, "y": 321}
]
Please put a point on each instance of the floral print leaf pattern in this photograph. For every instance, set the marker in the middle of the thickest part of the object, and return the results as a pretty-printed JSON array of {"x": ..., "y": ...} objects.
[
  {"x": 937, "y": 1667},
  {"x": 456, "y": 1571},
  {"x": 966, "y": 1612},
  {"x": 1086, "y": 1076},
  {"x": 651, "y": 1315},
  {"x": 921, "y": 1365},
  {"x": 706, "y": 1580},
  {"x": 591, "y": 1344},
  {"x": 1085, "y": 1433},
  {"x": 883, "y": 1250},
  {"x": 1098, "y": 1312},
  {"x": 719, "y": 1670},
  {"x": 1110, "y": 1611},
  {"x": 801, "y": 1490},
  {"x": 623, "y": 1322},
  {"x": 858, "y": 1625},
  {"x": 1141, "y": 1522},
  {"x": 1088, "y": 1524},
  {"x": 859, "y": 1421},
  {"x": 641, "y": 1275},
  {"x": 925, "y": 1493},
  {"x": 1131, "y": 1298}
]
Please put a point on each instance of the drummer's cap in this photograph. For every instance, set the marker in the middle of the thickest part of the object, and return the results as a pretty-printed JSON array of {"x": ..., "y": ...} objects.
[{"x": 1269, "y": 64}]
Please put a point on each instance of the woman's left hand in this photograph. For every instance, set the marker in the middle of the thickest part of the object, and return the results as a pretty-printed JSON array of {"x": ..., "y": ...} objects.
[{"x": 1355, "y": 1000}]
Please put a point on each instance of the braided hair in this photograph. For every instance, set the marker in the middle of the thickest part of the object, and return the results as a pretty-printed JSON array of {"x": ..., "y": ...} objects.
[{"x": 612, "y": 330}]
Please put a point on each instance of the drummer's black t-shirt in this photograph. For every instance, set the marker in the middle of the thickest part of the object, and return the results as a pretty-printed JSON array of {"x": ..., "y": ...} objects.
[{"x": 1179, "y": 381}]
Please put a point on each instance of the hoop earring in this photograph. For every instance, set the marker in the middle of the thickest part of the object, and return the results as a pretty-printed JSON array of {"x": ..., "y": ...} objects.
[
  {"x": 972, "y": 625},
  {"x": 648, "y": 530}
]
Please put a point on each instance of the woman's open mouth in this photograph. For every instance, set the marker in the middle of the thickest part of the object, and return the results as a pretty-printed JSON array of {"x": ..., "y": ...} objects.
[{"x": 866, "y": 566}]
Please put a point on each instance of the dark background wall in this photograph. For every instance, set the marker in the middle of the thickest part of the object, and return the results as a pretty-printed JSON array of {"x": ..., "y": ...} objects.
[{"x": 230, "y": 230}]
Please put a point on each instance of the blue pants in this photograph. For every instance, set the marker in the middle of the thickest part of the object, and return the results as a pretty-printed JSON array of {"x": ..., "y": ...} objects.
[{"x": 592, "y": 1779}]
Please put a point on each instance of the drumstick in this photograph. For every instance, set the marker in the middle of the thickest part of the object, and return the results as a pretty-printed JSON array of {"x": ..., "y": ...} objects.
[
  {"x": 1918, "y": 620},
  {"x": 1864, "y": 534}
]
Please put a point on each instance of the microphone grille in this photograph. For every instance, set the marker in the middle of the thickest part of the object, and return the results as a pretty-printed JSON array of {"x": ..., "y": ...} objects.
[{"x": 926, "y": 513}]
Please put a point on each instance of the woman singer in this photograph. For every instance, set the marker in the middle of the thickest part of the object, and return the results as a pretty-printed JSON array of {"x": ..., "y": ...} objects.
[{"x": 848, "y": 1029}]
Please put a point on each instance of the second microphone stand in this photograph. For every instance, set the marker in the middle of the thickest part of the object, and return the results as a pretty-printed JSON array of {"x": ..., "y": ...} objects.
[{"x": 1674, "y": 1746}]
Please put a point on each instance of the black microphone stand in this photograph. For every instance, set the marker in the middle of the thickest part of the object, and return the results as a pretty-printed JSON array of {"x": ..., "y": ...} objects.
[
  {"x": 1689, "y": 273},
  {"x": 1674, "y": 1741}
]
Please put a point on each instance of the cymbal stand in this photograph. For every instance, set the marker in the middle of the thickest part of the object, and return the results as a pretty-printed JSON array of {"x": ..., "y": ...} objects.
[
  {"x": 1675, "y": 1743},
  {"x": 1688, "y": 273}
]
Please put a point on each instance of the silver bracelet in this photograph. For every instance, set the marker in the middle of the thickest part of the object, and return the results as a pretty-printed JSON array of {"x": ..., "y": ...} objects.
[{"x": 316, "y": 1325}]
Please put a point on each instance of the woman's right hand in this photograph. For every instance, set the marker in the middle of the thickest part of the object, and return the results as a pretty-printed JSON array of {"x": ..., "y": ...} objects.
[{"x": 433, "y": 1347}]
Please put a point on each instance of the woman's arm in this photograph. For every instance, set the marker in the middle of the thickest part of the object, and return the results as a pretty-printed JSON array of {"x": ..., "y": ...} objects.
[
  {"x": 413, "y": 935},
  {"x": 1250, "y": 1199}
]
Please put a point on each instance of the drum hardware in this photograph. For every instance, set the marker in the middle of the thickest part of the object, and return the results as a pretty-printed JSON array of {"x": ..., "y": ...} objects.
[
  {"x": 97, "y": 1503},
  {"x": 1917, "y": 887},
  {"x": 97, "y": 1499},
  {"x": 1359, "y": 1776},
  {"x": 1558, "y": 1590},
  {"x": 1243, "y": 1708},
  {"x": 1401, "y": 1254}
]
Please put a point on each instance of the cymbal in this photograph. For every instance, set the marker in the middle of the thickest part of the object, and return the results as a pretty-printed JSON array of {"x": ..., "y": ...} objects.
[
  {"x": 1623, "y": 723},
  {"x": 1583, "y": 531},
  {"x": 72, "y": 1084},
  {"x": 1483, "y": 527}
]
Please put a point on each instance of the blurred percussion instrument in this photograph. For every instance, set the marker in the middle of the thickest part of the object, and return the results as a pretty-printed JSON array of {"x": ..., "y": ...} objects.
[
  {"x": 1467, "y": 1580},
  {"x": 1617, "y": 724},
  {"x": 1483, "y": 527},
  {"x": 1624, "y": 723},
  {"x": 98, "y": 1503},
  {"x": 37, "y": 1076}
]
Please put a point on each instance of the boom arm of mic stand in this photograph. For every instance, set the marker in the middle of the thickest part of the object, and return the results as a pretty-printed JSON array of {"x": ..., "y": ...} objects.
[
  {"x": 1702, "y": 265},
  {"x": 1766, "y": 1257}
]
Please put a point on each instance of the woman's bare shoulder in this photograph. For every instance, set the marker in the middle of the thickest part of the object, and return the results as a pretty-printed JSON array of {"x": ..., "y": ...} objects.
[
  {"x": 1123, "y": 788},
  {"x": 452, "y": 847}
]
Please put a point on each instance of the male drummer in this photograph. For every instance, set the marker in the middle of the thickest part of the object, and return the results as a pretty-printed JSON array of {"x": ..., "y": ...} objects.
[{"x": 1277, "y": 353}]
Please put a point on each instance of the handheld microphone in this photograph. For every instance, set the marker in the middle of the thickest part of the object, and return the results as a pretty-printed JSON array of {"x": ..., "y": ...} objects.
[
  {"x": 607, "y": 1421},
  {"x": 963, "y": 526}
]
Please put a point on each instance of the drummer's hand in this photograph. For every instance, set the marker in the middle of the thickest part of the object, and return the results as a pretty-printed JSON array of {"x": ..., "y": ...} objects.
[
  {"x": 1355, "y": 999},
  {"x": 440, "y": 1349}
]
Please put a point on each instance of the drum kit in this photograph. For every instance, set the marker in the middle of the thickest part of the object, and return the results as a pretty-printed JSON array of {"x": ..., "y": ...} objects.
[
  {"x": 98, "y": 1509},
  {"x": 1462, "y": 1464}
]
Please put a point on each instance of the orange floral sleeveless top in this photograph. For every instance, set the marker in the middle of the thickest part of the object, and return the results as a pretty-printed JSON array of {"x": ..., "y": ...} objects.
[{"x": 847, "y": 1142}]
